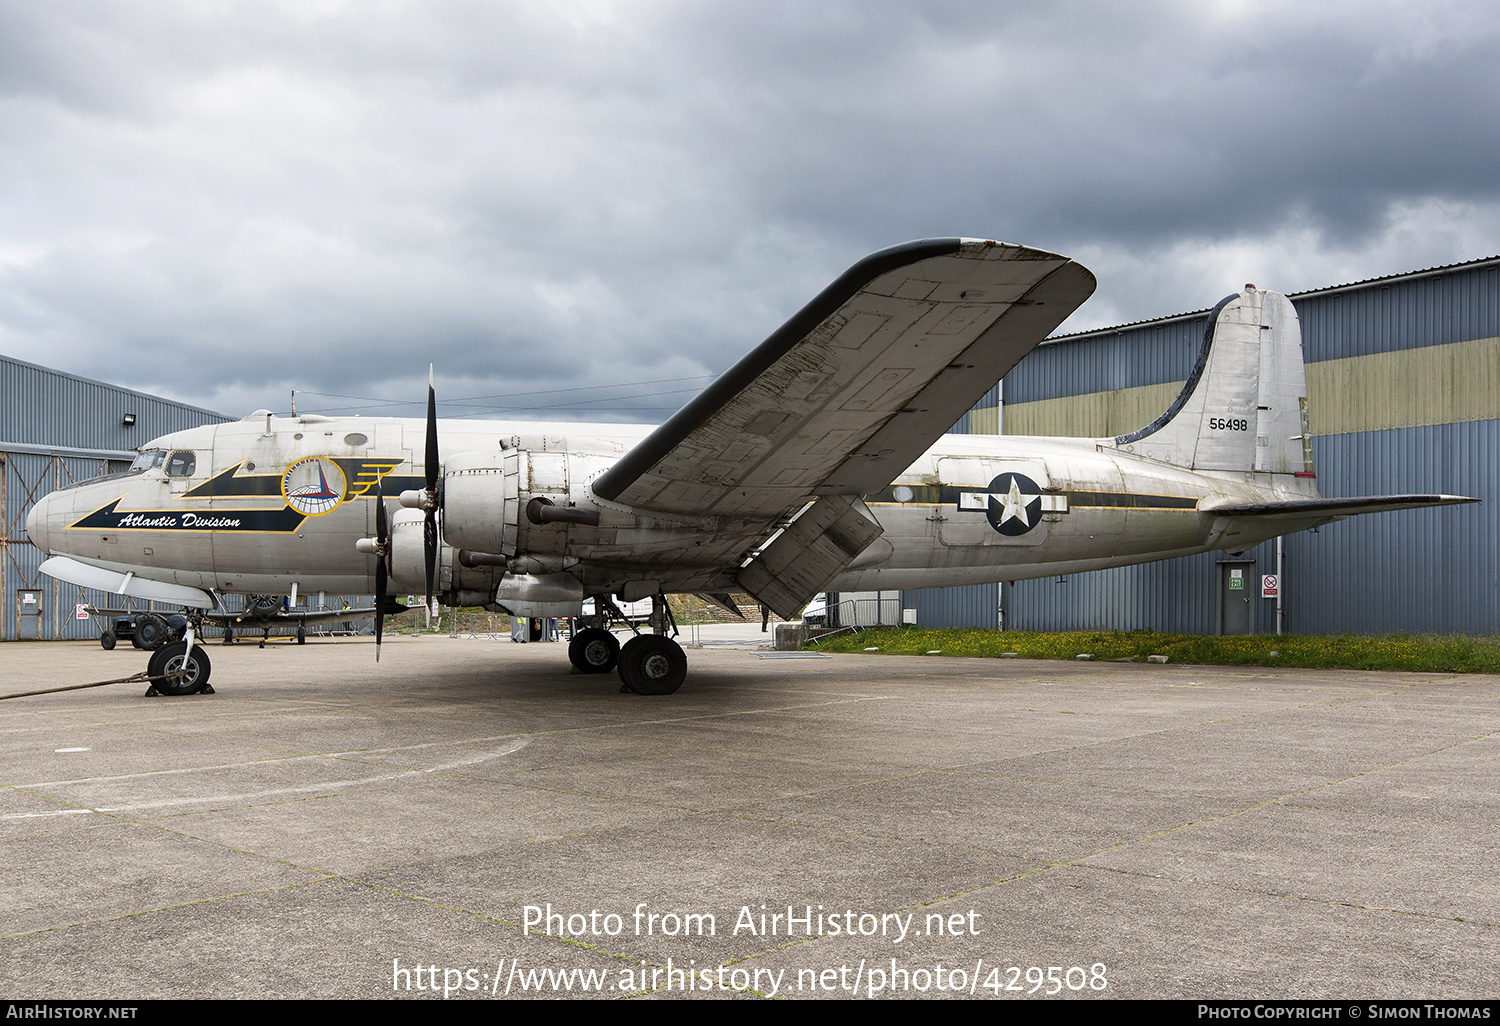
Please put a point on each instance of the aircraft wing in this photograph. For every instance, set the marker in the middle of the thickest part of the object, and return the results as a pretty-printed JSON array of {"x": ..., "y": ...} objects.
[
  {"x": 1301, "y": 513},
  {"x": 851, "y": 390}
]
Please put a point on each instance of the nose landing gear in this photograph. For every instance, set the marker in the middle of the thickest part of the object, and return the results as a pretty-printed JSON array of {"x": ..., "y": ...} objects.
[{"x": 186, "y": 672}]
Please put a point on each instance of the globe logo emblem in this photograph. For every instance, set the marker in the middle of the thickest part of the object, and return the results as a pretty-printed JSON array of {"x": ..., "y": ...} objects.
[{"x": 313, "y": 486}]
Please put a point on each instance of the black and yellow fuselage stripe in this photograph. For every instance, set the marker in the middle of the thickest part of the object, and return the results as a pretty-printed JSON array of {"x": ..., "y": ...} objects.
[{"x": 950, "y": 495}]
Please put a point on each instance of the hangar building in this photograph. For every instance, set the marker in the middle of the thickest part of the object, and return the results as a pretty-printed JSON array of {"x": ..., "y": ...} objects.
[
  {"x": 1403, "y": 379},
  {"x": 56, "y": 429}
]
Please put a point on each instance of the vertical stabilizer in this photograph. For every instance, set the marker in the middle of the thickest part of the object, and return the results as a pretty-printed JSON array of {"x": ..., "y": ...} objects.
[{"x": 1244, "y": 407}]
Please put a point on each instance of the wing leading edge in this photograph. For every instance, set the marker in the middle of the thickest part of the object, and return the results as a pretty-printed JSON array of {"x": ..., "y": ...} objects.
[{"x": 857, "y": 385}]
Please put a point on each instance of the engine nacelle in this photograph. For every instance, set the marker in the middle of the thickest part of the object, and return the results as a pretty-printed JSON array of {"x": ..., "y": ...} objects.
[
  {"x": 482, "y": 501},
  {"x": 457, "y": 582}
]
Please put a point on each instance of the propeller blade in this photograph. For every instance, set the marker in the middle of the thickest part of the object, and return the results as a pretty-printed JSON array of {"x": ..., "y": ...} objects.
[
  {"x": 429, "y": 525},
  {"x": 432, "y": 445},
  {"x": 382, "y": 532},
  {"x": 429, "y": 550}
]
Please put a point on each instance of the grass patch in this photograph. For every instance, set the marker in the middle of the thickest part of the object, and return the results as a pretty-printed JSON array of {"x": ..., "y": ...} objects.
[{"x": 1426, "y": 653}]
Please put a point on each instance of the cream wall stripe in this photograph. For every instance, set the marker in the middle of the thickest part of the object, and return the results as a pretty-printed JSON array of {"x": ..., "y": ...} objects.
[{"x": 1445, "y": 384}]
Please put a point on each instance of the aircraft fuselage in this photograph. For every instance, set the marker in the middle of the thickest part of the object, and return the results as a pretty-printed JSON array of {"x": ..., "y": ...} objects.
[{"x": 258, "y": 505}]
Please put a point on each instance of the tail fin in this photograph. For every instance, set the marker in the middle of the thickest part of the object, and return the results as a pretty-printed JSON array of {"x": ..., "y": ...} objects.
[{"x": 1244, "y": 408}]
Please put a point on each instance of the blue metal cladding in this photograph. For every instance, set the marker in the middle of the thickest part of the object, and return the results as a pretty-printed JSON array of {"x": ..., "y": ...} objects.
[
  {"x": 26, "y": 476},
  {"x": 975, "y": 605},
  {"x": 1406, "y": 313},
  {"x": 1148, "y": 354},
  {"x": 47, "y": 407},
  {"x": 1172, "y": 596},
  {"x": 990, "y": 401},
  {"x": 1428, "y": 571}
]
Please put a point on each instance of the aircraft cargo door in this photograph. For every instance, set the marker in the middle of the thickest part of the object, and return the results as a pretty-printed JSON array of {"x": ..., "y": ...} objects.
[{"x": 995, "y": 502}]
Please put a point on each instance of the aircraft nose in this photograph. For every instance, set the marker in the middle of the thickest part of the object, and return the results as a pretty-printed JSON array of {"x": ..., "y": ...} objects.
[{"x": 36, "y": 525}]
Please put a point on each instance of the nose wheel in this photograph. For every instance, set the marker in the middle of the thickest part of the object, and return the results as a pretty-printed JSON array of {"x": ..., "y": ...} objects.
[
  {"x": 186, "y": 672},
  {"x": 651, "y": 664}
]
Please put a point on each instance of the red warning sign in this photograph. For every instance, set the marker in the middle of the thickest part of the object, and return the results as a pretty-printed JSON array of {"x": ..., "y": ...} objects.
[{"x": 1269, "y": 586}]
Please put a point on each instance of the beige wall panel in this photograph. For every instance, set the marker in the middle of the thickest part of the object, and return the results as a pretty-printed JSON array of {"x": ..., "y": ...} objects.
[
  {"x": 1095, "y": 415},
  {"x": 985, "y": 421},
  {"x": 1447, "y": 384}
]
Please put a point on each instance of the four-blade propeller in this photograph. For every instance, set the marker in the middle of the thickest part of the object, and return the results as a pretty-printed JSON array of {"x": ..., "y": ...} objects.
[{"x": 425, "y": 500}]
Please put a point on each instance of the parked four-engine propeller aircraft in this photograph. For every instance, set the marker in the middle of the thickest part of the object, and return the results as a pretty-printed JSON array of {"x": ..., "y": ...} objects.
[
  {"x": 260, "y": 612},
  {"x": 804, "y": 467}
]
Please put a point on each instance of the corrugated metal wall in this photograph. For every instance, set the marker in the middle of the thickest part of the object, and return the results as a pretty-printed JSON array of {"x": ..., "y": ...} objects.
[
  {"x": 56, "y": 429},
  {"x": 24, "y": 477},
  {"x": 50, "y": 408},
  {"x": 1418, "y": 570},
  {"x": 975, "y": 605}
]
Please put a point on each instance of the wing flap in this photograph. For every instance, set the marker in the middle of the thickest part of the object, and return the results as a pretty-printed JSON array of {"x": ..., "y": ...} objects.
[{"x": 805, "y": 557}]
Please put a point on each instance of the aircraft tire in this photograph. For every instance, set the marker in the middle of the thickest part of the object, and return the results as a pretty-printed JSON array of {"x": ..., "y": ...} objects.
[
  {"x": 169, "y": 660},
  {"x": 107, "y": 640},
  {"x": 594, "y": 650},
  {"x": 152, "y": 632},
  {"x": 301, "y": 636},
  {"x": 652, "y": 665}
]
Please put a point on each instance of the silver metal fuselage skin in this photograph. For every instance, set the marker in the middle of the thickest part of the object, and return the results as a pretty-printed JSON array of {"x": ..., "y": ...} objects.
[{"x": 229, "y": 526}]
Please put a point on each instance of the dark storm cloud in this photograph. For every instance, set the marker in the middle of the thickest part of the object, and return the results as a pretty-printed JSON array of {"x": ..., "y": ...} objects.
[{"x": 221, "y": 202}]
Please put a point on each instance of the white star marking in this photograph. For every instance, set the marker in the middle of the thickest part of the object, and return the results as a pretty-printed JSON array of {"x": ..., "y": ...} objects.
[{"x": 1015, "y": 504}]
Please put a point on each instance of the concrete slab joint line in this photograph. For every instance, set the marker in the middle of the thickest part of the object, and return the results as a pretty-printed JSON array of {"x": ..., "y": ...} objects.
[{"x": 257, "y": 843}]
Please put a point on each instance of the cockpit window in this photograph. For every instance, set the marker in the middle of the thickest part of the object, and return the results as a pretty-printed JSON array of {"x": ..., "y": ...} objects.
[
  {"x": 182, "y": 463},
  {"x": 146, "y": 460}
]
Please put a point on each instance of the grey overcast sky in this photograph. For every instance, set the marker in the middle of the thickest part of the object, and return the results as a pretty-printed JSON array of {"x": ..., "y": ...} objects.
[{"x": 587, "y": 207}]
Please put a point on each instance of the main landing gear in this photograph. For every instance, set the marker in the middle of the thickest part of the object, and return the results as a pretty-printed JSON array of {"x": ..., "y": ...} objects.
[
  {"x": 652, "y": 664},
  {"x": 594, "y": 650},
  {"x": 648, "y": 664}
]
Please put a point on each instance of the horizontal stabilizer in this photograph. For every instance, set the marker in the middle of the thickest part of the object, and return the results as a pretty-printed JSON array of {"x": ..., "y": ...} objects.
[{"x": 1306, "y": 509}]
